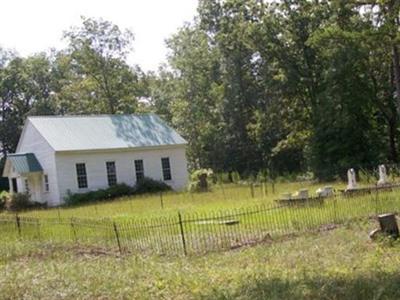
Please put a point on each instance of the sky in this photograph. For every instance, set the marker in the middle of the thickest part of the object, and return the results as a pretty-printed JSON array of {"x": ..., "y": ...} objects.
[{"x": 30, "y": 26}]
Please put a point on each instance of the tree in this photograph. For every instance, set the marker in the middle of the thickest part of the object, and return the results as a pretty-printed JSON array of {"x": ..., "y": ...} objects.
[
  {"x": 98, "y": 51},
  {"x": 25, "y": 89},
  {"x": 196, "y": 96}
]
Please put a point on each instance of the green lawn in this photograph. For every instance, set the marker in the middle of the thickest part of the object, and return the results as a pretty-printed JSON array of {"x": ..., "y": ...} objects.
[
  {"x": 145, "y": 206},
  {"x": 315, "y": 251},
  {"x": 335, "y": 264},
  {"x": 220, "y": 220}
]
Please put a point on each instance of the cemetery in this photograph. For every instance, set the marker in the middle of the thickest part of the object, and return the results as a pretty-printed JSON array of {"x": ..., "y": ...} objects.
[
  {"x": 302, "y": 196},
  {"x": 228, "y": 221}
]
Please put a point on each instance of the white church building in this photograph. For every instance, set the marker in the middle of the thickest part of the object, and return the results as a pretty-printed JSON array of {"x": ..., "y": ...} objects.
[{"x": 57, "y": 155}]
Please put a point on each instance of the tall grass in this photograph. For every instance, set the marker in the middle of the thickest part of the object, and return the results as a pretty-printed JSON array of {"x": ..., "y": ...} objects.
[
  {"x": 199, "y": 228},
  {"x": 222, "y": 197}
]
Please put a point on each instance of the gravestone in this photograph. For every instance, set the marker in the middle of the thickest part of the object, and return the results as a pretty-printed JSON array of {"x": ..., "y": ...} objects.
[
  {"x": 324, "y": 192},
  {"x": 388, "y": 225},
  {"x": 351, "y": 178},
  {"x": 382, "y": 175},
  {"x": 302, "y": 194}
]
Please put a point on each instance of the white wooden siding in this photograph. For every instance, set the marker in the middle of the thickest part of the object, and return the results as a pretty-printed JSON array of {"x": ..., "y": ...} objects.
[
  {"x": 125, "y": 167},
  {"x": 32, "y": 142}
]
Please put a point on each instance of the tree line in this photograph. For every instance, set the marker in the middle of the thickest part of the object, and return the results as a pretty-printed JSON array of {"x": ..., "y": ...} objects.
[{"x": 287, "y": 86}]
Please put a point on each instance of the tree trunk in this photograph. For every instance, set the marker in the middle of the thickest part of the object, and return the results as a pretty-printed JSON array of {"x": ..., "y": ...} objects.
[
  {"x": 396, "y": 71},
  {"x": 392, "y": 140}
]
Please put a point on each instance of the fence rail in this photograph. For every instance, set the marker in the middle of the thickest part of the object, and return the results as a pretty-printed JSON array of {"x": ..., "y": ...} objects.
[{"x": 198, "y": 233}]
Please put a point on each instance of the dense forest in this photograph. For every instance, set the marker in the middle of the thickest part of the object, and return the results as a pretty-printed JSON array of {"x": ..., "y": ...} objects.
[{"x": 289, "y": 86}]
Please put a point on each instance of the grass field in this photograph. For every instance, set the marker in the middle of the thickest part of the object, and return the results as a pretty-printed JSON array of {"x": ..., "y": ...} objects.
[
  {"x": 224, "y": 197},
  {"x": 336, "y": 264},
  {"x": 302, "y": 252},
  {"x": 229, "y": 217}
]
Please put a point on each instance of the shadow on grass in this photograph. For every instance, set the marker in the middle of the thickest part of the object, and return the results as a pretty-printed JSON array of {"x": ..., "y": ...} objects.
[{"x": 375, "y": 285}]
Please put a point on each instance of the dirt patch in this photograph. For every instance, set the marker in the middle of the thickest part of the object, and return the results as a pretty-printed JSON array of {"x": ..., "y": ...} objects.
[
  {"x": 60, "y": 251},
  {"x": 93, "y": 251},
  {"x": 327, "y": 227},
  {"x": 268, "y": 239}
]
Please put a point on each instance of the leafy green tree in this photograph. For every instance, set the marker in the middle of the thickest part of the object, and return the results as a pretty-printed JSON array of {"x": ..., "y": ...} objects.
[
  {"x": 195, "y": 96},
  {"x": 25, "y": 89},
  {"x": 98, "y": 51}
]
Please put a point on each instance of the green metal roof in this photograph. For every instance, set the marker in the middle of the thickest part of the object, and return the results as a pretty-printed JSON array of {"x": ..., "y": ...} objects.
[
  {"x": 24, "y": 163},
  {"x": 99, "y": 132}
]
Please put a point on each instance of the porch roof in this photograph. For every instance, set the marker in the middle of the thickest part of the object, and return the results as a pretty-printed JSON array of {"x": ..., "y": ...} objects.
[{"x": 24, "y": 163}]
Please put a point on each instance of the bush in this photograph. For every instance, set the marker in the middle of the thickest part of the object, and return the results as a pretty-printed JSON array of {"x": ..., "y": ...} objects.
[
  {"x": 4, "y": 196},
  {"x": 120, "y": 190},
  {"x": 112, "y": 192},
  {"x": 201, "y": 180},
  {"x": 223, "y": 178},
  {"x": 148, "y": 185},
  {"x": 18, "y": 201},
  {"x": 235, "y": 177},
  {"x": 307, "y": 176}
]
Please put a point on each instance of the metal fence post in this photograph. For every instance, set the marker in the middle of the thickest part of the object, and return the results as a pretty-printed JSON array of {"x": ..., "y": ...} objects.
[
  {"x": 117, "y": 237},
  {"x": 335, "y": 220},
  {"x": 73, "y": 230},
  {"x": 18, "y": 223},
  {"x": 161, "y": 200},
  {"x": 38, "y": 228},
  {"x": 182, "y": 233}
]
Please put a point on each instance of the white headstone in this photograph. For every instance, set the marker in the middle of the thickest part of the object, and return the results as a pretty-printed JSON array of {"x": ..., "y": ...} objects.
[
  {"x": 351, "y": 177},
  {"x": 382, "y": 175},
  {"x": 303, "y": 194},
  {"x": 325, "y": 191},
  {"x": 328, "y": 190}
]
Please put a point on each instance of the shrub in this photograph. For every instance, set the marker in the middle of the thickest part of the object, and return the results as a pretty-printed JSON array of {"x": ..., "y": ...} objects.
[
  {"x": 307, "y": 176},
  {"x": 112, "y": 192},
  {"x": 224, "y": 177},
  {"x": 18, "y": 201},
  {"x": 120, "y": 190},
  {"x": 235, "y": 177},
  {"x": 148, "y": 185},
  {"x": 201, "y": 180},
  {"x": 4, "y": 196},
  {"x": 262, "y": 176}
]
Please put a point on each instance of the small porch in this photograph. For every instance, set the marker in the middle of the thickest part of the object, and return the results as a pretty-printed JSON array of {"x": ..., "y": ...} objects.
[{"x": 25, "y": 175}]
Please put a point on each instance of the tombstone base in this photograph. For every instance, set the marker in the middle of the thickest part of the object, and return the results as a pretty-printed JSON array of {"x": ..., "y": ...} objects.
[{"x": 388, "y": 225}]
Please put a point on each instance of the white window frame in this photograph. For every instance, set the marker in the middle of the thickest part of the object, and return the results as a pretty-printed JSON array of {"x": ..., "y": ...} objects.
[
  {"x": 114, "y": 174},
  {"x": 169, "y": 169},
  {"x": 81, "y": 176},
  {"x": 136, "y": 172},
  {"x": 46, "y": 183},
  {"x": 26, "y": 185}
]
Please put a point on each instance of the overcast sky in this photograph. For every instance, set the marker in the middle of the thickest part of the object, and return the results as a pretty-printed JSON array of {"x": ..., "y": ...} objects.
[{"x": 30, "y": 26}]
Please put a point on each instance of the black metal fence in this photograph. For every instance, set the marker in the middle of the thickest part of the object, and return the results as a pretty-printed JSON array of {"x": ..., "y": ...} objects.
[{"x": 198, "y": 233}]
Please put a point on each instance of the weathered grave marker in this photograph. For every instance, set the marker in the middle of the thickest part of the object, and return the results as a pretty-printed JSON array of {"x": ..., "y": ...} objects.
[
  {"x": 382, "y": 175},
  {"x": 351, "y": 177},
  {"x": 388, "y": 225},
  {"x": 326, "y": 191}
]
